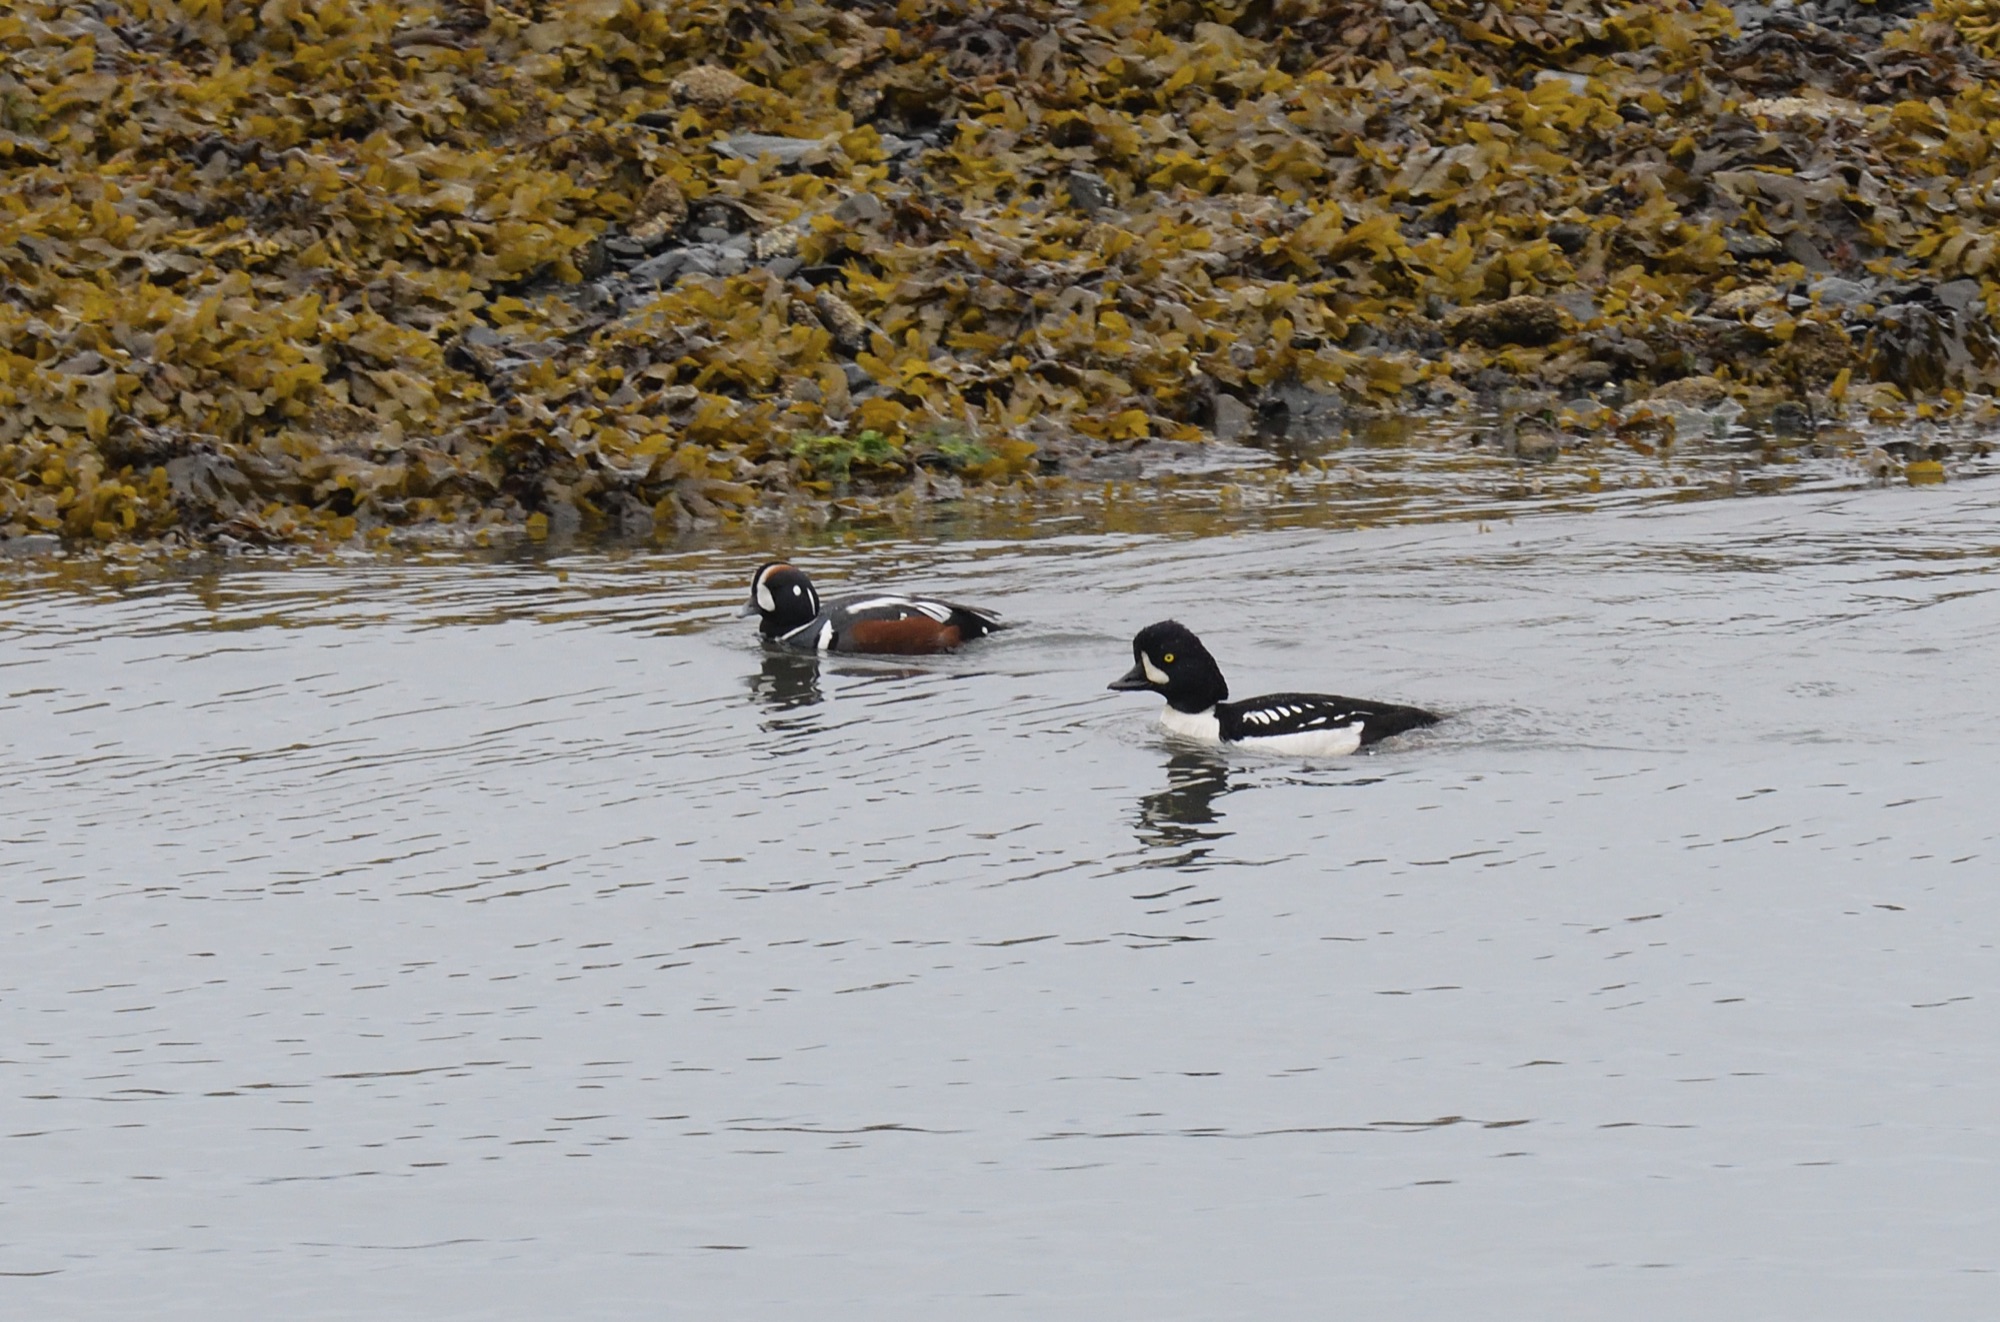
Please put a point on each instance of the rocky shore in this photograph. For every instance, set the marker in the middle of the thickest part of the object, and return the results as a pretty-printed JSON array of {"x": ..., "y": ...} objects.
[{"x": 303, "y": 272}]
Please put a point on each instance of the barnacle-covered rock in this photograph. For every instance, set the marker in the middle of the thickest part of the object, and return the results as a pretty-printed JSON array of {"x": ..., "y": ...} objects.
[
  {"x": 710, "y": 87},
  {"x": 659, "y": 214},
  {"x": 849, "y": 328},
  {"x": 1525, "y": 319}
]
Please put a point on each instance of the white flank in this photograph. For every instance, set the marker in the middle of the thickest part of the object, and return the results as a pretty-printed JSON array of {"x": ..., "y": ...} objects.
[
  {"x": 1337, "y": 742},
  {"x": 1199, "y": 725}
]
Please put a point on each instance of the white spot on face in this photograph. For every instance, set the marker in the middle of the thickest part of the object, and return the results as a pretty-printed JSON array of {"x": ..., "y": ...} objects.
[
  {"x": 765, "y": 601},
  {"x": 1151, "y": 671}
]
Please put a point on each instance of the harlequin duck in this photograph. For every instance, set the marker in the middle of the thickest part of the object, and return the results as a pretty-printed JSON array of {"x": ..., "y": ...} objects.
[
  {"x": 793, "y": 616},
  {"x": 1169, "y": 660}
]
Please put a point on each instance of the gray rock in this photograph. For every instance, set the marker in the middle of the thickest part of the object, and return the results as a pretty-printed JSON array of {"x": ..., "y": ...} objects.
[
  {"x": 1957, "y": 295},
  {"x": 861, "y": 209},
  {"x": 1835, "y": 292},
  {"x": 88, "y": 363},
  {"x": 1803, "y": 251},
  {"x": 662, "y": 270},
  {"x": 756, "y": 146},
  {"x": 784, "y": 267},
  {"x": 711, "y": 233},
  {"x": 207, "y": 477},
  {"x": 1578, "y": 303},
  {"x": 565, "y": 519},
  {"x": 35, "y": 543},
  {"x": 1233, "y": 418},
  {"x": 858, "y": 379},
  {"x": 706, "y": 259}
]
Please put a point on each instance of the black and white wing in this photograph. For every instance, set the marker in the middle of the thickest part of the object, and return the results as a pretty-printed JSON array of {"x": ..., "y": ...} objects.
[{"x": 1317, "y": 717}]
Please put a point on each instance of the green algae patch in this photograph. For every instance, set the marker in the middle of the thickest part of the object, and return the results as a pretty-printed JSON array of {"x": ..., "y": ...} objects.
[{"x": 323, "y": 272}]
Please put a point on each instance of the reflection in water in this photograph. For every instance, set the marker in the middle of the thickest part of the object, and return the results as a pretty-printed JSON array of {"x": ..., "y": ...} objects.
[
  {"x": 787, "y": 680},
  {"x": 1174, "y": 818}
]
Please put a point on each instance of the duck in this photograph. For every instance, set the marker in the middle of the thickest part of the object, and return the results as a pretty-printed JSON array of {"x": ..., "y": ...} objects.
[
  {"x": 1169, "y": 660},
  {"x": 793, "y": 616}
]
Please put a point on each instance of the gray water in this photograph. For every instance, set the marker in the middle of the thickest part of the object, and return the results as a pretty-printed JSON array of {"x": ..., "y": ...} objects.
[{"x": 459, "y": 939}]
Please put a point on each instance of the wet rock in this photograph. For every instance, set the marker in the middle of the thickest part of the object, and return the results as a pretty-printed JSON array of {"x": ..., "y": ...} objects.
[
  {"x": 926, "y": 485},
  {"x": 1526, "y": 319},
  {"x": 627, "y": 515},
  {"x": 1589, "y": 376},
  {"x": 1704, "y": 392},
  {"x": 1745, "y": 246},
  {"x": 1570, "y": 236},
  {"x": 1792, "y": 419},
  {"x": 33, "y": 543},
  {"x": 1296, "y": 412},
  {"x": 897, "y": 148},
  {"x": 1530, "y": 438},
  {"x": 1915, "y": 348},
  {"x": 1090, "y": 193},
  {"x": 1233, "y": 418},
  {"x": 207, "y": 479},
  {"x": 565, "y": 519}
]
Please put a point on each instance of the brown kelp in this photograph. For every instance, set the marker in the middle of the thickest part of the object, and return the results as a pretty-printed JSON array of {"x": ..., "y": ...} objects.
[{"x": 300, "y": 271}]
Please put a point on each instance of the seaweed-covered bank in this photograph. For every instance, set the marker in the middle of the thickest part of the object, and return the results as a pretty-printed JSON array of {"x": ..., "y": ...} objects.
[{"x": 298, "y": 272}]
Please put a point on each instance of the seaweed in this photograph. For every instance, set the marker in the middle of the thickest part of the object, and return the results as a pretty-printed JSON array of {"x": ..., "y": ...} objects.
[{"x": 317, "y": 272}]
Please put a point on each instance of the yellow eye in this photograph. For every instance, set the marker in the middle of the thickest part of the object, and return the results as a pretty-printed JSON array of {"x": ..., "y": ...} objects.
[{"x": 1167, "y": 660}]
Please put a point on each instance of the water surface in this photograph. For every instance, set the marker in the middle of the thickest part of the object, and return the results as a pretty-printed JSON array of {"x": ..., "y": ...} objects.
[{"x": 445, "y": 938}]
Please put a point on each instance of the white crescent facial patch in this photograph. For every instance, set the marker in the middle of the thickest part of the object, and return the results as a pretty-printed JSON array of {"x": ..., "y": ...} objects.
[{"x": 1152, "y": 672}]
